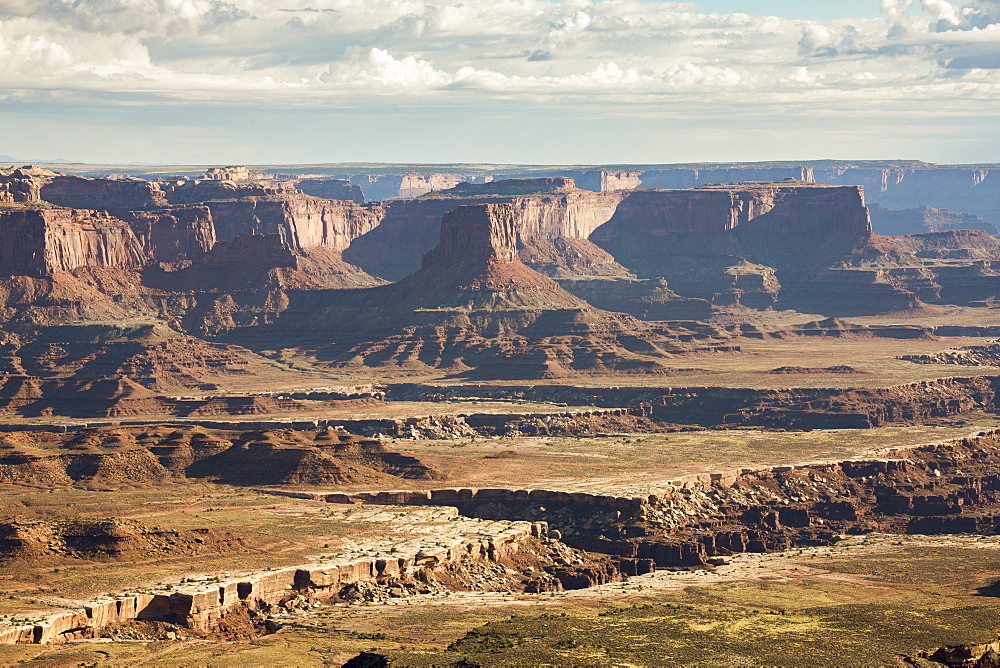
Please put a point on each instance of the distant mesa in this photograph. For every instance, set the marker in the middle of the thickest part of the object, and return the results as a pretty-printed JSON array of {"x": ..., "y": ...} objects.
[
  {"x": 233, "y": 173},
  {"x": 475, "y": 308}
]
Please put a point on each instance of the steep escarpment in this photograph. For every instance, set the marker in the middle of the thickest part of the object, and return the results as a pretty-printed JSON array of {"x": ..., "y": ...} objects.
[
  {"x": 340, "y": 189},
  {"x": 775, "y": 223},
  {"x": 77, "y": 192},
  {"x": 41, "y": 242},
  {"x": 756, "y": 244},
  {"x": 942, "y": 488},
  {"x": 475, "y": 306},
  {"x": 18, "y": 187},
  {"x": 965, "y": 189},
  {"x": 554, "y": 221},
  {"x": 646, "y": 299},
  {"x": 40, "y": 541}
]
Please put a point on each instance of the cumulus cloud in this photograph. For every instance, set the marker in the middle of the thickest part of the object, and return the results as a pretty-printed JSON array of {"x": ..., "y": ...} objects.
[{"x": 323, "y": 52}]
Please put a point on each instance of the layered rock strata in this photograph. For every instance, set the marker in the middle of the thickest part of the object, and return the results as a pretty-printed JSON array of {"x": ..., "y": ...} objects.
[
  {"x": 554, "y": 221},
  {"x": 202, "y": 608},
  {"x": 475, "y": 305},
  {"x": 941, "y": 488}
]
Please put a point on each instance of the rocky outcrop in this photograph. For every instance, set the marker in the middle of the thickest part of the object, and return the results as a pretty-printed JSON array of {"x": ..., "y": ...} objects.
[
  {"x": 205, "y": 607},
  {"x": 41, "y": 242},
  {"x": 967, "y": 244},
  {"x": 646, "y": 299},
  {"x": 757, "y": 244},
  {"x": 940, "y": 488},
  {"x": 199, "y": 191},
  {"x": 798, "y": 408},
  {"x": 301, "y": 222},
  {"x": 376, "y": 187},
  {"x": 965, "y": 189},
  {"x": 233, "y": 173},
  {"x": 19, "y": 187},
  {"x": 770, "y": 223},
  {"x": 116, "y": 456}
]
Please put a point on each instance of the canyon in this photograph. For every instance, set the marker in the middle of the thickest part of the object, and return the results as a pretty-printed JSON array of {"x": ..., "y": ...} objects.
[{"x": 241, "y": 405}]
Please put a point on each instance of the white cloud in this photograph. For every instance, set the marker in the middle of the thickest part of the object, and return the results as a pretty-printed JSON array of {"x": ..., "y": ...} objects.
[{"x": 329, "y": 52}]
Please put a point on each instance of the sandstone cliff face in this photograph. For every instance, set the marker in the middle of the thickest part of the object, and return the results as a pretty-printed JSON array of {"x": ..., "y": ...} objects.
[
  {"x": 77, "y": 192},
  {"x": 474, "y": 307},
  {"x": 737, "y": 243},
  {"x": 476, "y": 234},
  {"x": 38, "y": 243},
  {"x": 548, "y": 223},
  {"x": 970, "y": 190},
  {"x": 174, "y": 235},
  {"x": 194, "y": 192},
  {"x": 670, "y": 179},
  {"x": 301, "y": 222},
  {"x": 377, "y": 187}
]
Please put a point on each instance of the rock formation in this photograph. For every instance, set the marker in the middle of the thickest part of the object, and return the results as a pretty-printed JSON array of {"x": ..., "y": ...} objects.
[
  {"x": 739, "y": 243},
  {"x": 555, "y": 220},
  {"x": 475, "y": 305},
  {"x": 125, "y": 456},
  {"x": 42, "y": 242}
]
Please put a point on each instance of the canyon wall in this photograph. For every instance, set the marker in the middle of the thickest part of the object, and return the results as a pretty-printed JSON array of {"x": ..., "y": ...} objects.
[
  {"x": 741, "y": 243},
  {"x": 794, "y": 408},
  {"x": 376, "y": 187},
  {"x": 203, "y": 607},
  {"x": 301, "y": 222},
  {"x": 40, "y": 242},
  {"x": 971, "y": 190},
  {"x": 552, "y": 228}
]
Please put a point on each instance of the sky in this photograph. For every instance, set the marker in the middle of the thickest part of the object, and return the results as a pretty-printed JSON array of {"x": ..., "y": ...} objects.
[{"x": 499, "y": 81}]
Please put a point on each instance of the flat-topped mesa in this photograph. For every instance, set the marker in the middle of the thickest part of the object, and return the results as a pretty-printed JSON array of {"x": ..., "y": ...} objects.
[
  {"x": 480, "y": 233},
  {"x": 331, "y": 188},
  {"x": 231, "y": 173},
  {"x": 776, "y": 224},
  {"x": 80, "y": 192}
]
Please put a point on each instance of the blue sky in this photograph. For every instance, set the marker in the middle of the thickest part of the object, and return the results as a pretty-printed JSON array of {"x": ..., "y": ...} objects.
[{"x": 499, "y": 81}]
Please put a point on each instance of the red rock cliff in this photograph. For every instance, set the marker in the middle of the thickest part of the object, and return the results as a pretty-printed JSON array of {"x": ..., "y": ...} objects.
[
  {"x": 302, "y": 222},
  {"x": 486, "y": 233},
  {"x": 770, "y": 223},
  {"x": 37, "y": 243},
  {"x": 173, "y": 235},
  {"x": 546, "y": 211}
]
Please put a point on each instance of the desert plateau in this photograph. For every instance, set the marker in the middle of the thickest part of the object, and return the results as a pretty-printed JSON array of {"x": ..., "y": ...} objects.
[
  {"x": 743, "y": 414},
  {"x": 499, "y": 333}
]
